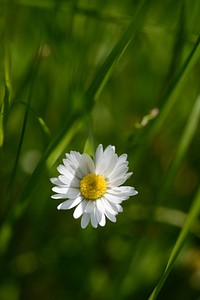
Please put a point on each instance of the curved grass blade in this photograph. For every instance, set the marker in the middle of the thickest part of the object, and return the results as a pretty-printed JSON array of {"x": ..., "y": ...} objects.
[
  {"x": 185, "y": 141},
  {"x": 171, "y": 93},
  {"x": 42, "y": 124},
  {"x": 33, "y": 73},
  {"x": 117, "y": 51},
  {"x": 178, "y": 45},
  {"x": 4, "y": 114},
  {"x": 6, "y": 101},
  {"x": 170, "y": 96},
  {"x": 191, "y": 217},
  {"x": 184, "y": 144}
]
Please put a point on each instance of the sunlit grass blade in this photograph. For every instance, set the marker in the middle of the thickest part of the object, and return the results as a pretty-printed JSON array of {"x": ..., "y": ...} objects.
[
  {"x": 6, "y": 101},
  {"x": 169, "y": 98},
  {"x": 33, "y": 72},
  {"x": 62, "y": 144},
  {"x": 117, "y": 51},
  {"x": 171, "y": 94},
  {"x": 40, "y": 121},
  {"x": 192, "y": 215},
  {"x": 44, "y": 129},
  {"x": 183, "y": 146}
]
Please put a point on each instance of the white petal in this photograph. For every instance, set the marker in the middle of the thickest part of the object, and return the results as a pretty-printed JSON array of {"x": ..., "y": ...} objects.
[
  {"x": 103, "y": 220},
  {"x": 74, "y": 159},
  {"x": 110, "y": 216},
  {"x": 64, "y": 179},
  {"x": 89, "y": 207},
  {"x": 89, "y": 164},
  {"x": 108, "y": 207},
  {"x": 99, "y": 153},
  {"x": 98, "y": 156},
  {"x": 119, "y": 172},
  {"x": 134, "y": 192},
  {"x": 117, "y": 181},
  {"x": 124, "y": 194},
  {"x": 113, "y": 198},
  {"x": 85, "y": 220},
  {"x": 79, "y": 209},
  {"x": 82, "y": 163},
  {"x": 111, "y": 165},
  {"x": 82, "y": 166},
  {"x": 69, "y": 203},
  {"x": 122, "y": 191},
  {"x": 63, "y": 170},
  {"x": 68, "y": 192},
  {"x": 73, "y": 166},
  {"x": 73, "y": 181},
  {"x": 100, "y": 205},
  {"x": 59, "y": 196},
  {"x": 93, "y": 218},
  {"x": 121, "y": 159},
  {"x": 108, "y": 148},
  {"x": 73, "y": 192},
  {"x": 103, "y": 163},
  {"x": 100, "y": 216},
  {"x": 116, "y": 207},
  {"x": 68, "y": 165},
  {"x": 59, "y": 189},
  {"x": 119, "y": 208},
  {"x": 56, "y": 181}
]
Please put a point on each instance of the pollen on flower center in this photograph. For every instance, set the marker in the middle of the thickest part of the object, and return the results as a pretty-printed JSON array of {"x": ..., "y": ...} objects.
[{"x": 92, "y": 186}]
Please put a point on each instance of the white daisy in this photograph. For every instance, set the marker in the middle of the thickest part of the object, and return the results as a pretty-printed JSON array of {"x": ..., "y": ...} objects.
[{"x": 93, "y": 186}]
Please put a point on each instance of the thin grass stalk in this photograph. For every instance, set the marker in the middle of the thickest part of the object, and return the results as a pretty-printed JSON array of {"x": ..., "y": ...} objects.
[
  {"x": 24, "y": 124},
  {"x": 115, "y": 54},
  {"x": 7, "y": 94},
  {"x": 169, "y": 98},
  {"x": 185, "y": 141},
  {"x": 191, "y": 217}
]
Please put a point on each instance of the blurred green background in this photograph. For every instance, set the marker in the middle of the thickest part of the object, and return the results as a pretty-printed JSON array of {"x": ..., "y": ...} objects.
[{"x": 55, "y": 96}]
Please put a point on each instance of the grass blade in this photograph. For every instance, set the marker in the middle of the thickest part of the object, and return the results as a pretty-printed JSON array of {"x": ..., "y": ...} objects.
[
  {"x": 117, "y": 51},
  {"x": 184, "y": 144},
  {"x": 4, "y": 114},
  {"x": 185, "y": 141},
  {"x": 42, "y": 124},
  {"x": 192, "y": 215},
  {"x": 169, "y": 98},
  {"x": 171, "y": 93},
  {"x": 6, "y": 101}
]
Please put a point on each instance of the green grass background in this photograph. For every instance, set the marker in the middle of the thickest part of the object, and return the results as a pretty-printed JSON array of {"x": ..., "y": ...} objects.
[{"x": 74, "y": 74}]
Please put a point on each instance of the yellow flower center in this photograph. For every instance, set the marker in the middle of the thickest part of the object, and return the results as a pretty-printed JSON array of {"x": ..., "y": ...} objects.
[{"x": 92, "y": 186}]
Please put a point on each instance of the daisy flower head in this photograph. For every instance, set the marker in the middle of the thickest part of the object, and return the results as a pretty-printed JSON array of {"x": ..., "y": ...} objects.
[{"x": 93, "y": 186}]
